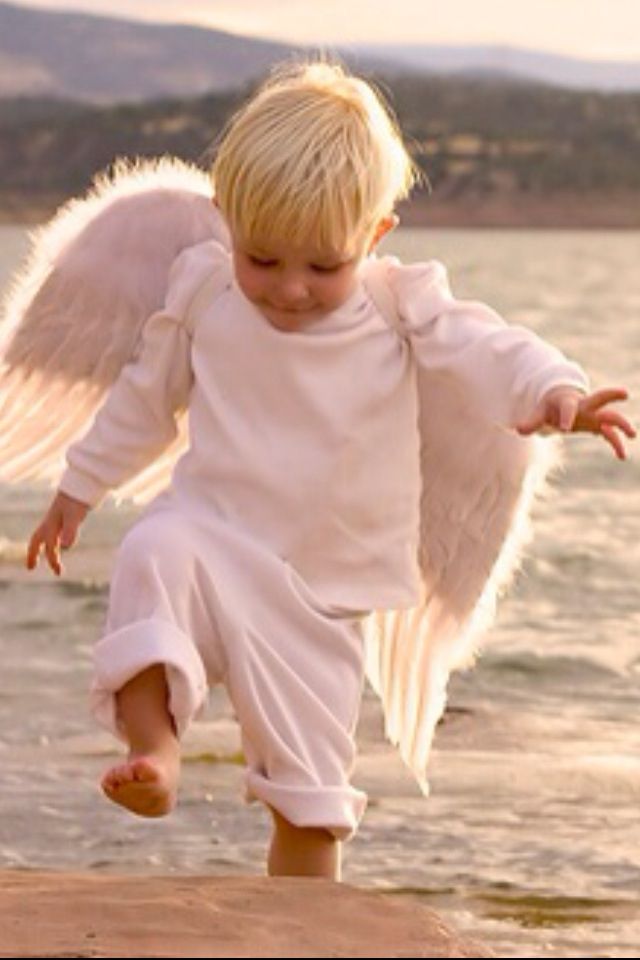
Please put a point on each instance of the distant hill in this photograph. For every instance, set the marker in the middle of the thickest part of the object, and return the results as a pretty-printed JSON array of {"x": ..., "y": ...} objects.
[
  {"x": 105, "y": 60},
  {"x": 101, "y": 59},
  {"x": 508, "y": 62},
  {"x": 500, "y": 145},
  {"x": 495, "y": 153}
]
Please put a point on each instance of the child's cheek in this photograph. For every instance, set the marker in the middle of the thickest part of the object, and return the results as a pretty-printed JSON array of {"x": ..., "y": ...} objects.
[{"x": 249, "y": 281}]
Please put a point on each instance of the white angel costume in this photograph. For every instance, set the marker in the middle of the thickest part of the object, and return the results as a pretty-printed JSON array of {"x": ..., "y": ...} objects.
[{"x": 345, "y": 497}]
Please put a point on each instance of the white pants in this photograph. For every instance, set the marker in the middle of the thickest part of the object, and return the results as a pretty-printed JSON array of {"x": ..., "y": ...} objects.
[{"x": 214, "y": 606}]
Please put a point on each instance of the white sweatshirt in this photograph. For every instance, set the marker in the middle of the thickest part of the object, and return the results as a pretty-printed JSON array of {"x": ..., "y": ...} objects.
[{"x": 308, "y": 441}]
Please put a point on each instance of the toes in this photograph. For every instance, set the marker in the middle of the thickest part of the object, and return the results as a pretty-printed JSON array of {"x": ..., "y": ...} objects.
[
  {"x": 142, "y": 786},
  {"x": 114, "y": 778},
  {"x": 142, "y": 771},
  {"x": 139, "y": 770}
]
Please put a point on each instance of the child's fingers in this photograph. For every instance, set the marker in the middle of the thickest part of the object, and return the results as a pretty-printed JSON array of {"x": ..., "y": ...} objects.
[
  {"x": 530, "y": 426},
  {"x": 557, "y": 411},
  {"x": 600, "y": 398},
  {"x": 567, "y": 412},
  {"x": 614, "y": 422},
  {"x": 612, "y": 418},
  {"x": 38, "y": 540},
  {"x": 68, "y": 534},
  {"x": 46, "y": 537},
  {"x": 613, "y": 438},
  {"x": 58, "y": 530},
  {"x": 52, "y": 553},
  {"x": 33, "y": 549}
]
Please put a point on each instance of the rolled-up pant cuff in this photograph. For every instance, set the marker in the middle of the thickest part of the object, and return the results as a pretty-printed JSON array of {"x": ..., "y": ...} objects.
[
  {"x": 336, "y": 809},
  {"x": 123, "y": 654}
]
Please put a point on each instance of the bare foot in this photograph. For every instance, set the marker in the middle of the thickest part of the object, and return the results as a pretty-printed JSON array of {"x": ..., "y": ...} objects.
[{"x": 146, "y": 785}]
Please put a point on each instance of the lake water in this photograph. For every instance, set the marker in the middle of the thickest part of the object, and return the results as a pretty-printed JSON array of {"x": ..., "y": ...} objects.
[{"x": 531, "y": 837}]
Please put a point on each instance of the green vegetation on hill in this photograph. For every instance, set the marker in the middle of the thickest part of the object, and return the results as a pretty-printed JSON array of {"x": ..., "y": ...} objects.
[
  {"x": 541, "y": 138},
  {"x": 493, "y": 151}
]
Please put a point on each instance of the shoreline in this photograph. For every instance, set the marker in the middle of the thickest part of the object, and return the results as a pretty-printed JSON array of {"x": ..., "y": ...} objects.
[
  {"x": 512, "y": 211},
  {"x": 59, "y": 914},
  {"x": 526, "y": 211}
]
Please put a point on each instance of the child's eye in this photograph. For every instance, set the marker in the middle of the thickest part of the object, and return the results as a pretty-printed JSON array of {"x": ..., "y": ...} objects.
[
  {"x": 262, "y": 262},
  {"x": 325, "y": 268}
]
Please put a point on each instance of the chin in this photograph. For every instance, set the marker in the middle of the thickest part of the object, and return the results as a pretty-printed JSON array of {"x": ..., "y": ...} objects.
[
  {"x": 287, "y": 324},
  {"x": 290, "y": 319}
]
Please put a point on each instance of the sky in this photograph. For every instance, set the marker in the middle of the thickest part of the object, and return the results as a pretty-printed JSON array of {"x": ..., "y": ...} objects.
[{"x": 591, "y": 29}]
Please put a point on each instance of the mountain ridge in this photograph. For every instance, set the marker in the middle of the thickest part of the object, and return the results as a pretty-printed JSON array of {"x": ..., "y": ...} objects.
[
  {"x": 101, "y": 59},
  {"x": 511, "y": 62},
  {"x": 104, "y": 59}
]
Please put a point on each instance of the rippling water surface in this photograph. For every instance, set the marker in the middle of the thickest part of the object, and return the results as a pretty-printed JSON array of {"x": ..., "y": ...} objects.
[{"x": 531, "y": 837}]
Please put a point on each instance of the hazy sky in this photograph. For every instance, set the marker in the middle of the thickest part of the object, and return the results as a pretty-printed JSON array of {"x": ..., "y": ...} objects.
[{"x": 604, "y": 29}]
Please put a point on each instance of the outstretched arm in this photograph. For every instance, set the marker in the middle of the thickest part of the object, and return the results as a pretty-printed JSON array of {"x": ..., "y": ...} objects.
[
  {"x": 58, "y": 530},
  {"x": 503, "y": 369},
  {"x": 572, "y": 411}
]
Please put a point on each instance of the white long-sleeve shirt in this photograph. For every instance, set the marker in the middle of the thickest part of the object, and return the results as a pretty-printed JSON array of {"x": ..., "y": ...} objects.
[{"x": 308, "y": 440}]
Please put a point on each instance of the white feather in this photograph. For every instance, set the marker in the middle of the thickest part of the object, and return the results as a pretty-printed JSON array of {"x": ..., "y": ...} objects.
[
  {"x": 477, "y": 496},
  {"x": 73, "y": 316}
]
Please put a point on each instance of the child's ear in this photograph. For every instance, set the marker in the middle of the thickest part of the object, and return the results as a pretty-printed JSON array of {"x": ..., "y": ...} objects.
[{"x": 383, "y": 227}]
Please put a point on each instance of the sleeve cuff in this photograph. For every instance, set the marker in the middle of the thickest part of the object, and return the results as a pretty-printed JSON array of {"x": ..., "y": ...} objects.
[
  {"x": 570, "y": 375},
  {"x": 83, "y": 488}
]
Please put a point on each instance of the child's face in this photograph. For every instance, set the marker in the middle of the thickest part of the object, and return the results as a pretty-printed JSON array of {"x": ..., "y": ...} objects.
[{"x": 294, "y": 286}]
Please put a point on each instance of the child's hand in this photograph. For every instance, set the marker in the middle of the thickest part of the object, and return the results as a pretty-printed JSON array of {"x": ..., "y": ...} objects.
[
  {"x": 58, "y": 530},
  {"x": 569, "y": 410}
]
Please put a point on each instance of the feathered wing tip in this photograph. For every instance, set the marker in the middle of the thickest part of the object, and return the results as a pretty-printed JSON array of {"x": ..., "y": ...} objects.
[
  {"x": 74, "y": 313},
  {"x": 476, "y": 521},
  {"x": 39, "y": 418}
]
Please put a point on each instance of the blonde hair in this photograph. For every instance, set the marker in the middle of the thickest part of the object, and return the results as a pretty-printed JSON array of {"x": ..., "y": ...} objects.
[{"x": 314, "y": 153}]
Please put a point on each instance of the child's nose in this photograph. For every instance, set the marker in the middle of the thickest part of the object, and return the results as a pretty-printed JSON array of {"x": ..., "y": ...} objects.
[{"x": 292, "y": 288}]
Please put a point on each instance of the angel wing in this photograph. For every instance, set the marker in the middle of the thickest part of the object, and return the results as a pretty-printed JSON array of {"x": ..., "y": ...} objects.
[
  {"x": 475, "y": 512},
  {"x": 74, "y": 314}
]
